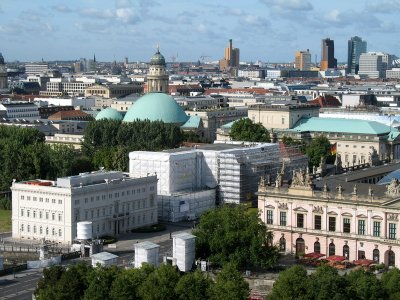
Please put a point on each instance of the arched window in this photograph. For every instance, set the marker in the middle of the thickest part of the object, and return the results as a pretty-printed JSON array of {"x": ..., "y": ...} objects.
[
  {"x": 375, "y": 255},
  {"x": 59, "y": 232},
  {"x": 282, "y": 244},
  {"x": 317, "y": 247},
  {"x": 300, "y": 246},
  {"x": 41, "y": 230},
  {"x": 53, "y": 232},
  {"x": 391, "y": 258},
  {"x": 346, "y": 251},
  {"x": 47, "y": 230},
  {"x": 332, "y": 249}
]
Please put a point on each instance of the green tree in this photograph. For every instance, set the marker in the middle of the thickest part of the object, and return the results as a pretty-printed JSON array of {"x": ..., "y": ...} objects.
[
  {"x": 247, "y": 131},
  {"x": 160, "y": 285},
  {"x": 288, "y": 141},
  {"x": 292, "y": 283},
  {"x": 230, "y": 284},
  {"x": 326, "y": 283},
  {"x": 100, "y": 280},
  {"x": 72, "y": 283},
  {"x": 46, "y": 287},
  {"x": 194, "y": 286},
  {"x": 364, "y": 285},
  {"x": 127, "y": 283},
  {"x": 231, "y": 234},
  {"x": 319, "y": 147},
  {"x": 391, "y": 282}
]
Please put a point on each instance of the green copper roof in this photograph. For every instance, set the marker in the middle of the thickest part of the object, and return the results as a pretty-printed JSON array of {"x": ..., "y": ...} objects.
[
  {"x": 229, "y": 125},
  {"x": 341, "y": 126},
  {"x": 157, "y": 59},
  {"x": 109, "y": 113},
  {"x": 192, "y": 122},
  {"x": 156, "y": 107}
]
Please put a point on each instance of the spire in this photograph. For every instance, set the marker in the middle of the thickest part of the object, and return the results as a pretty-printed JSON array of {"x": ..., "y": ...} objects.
[
  {"x": 94, "y": 57},
  {"x": 158, "y": 48}
]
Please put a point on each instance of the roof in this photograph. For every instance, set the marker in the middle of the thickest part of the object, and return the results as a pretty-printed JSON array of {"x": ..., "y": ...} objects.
[
  {"x": 229, "y": 125},
  {"x": 104, "y": 256},
  {"x": 66, "y": 114},
  {"x": 157, "y": 59},
  {"x": 192, "y": 122},
  {"x": 341, "y": 126},
  {"x": 109, "y": 113},
  {"x": 156, "y": 107},
  {"x": 326, "y": 101},
  {"x": 146, "y": 245},
  {"x": 184, "y": 236},
  {"x": 388, "y": 178}
]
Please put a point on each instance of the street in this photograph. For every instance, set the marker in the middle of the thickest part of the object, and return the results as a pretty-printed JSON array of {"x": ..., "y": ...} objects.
[{"x": 21, "y": 287}]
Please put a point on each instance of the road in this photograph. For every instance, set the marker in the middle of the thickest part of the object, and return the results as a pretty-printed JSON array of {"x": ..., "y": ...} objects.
[{"x": 21, "y": 287}]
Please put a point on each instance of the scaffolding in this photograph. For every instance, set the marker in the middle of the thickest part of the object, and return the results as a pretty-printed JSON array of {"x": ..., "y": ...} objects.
[{"x": 240, "y": 170}]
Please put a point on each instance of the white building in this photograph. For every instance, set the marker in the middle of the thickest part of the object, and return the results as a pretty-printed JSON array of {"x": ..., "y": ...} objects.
[
  {"x": 112, "y": 201},
  {"x": 36, "y": 68},
  {"x": 374, "y": 64},
  {"x": 20, "y": 110},
  {"x": 84, "y": 102}
]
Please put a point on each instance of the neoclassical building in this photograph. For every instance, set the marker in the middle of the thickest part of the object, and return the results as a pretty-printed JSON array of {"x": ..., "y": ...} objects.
[
  {"x": 344, "y": 215},
  {"x": 3, "y": 74},
  {"x": 157, "y": 78}
]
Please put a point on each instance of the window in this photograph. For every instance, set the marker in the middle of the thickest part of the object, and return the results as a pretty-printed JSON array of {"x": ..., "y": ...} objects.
[
  {"x": 300, "y": 220},
  {"x": 59, "y": 201},
  {"x": 47, "y": 200},
  {"x": 53, "y": 216},
  {"x": 59, "y": 233},
  {"x": 346, "y": 225},
  {"x": 22, "y": 197},
  {"x": 22, "y": 212},
  {"x": 40, "y": 214},
  {"x": 40, "y": 199},
  {"x": 282, "y": 218},
  {"x": 86, "y": 200},
  {"x": 53, "y": 201},
  {"x": 282, "y": 244},
  {"x": 34, "y": 228},
  {"x": 332, "y": 224},
  {"x": 28, "y": 213},
  {"x": 317, "y": 222},
  {"x": 392, "y": 231},
  {"x": 47, "y": 230},
  {"x": 377, "y": 228},
  {"x": 59, "y": 218},
  {"x": 29, "y": 228},
  {"x": 53, "y": 232},
  {"x": 331, "y": 249},
  {"x": 361, "y": 227},
  {"x": 317, "y": 247},
  {"x": 270, "y": 218},
  {"x": 40, "y": 230},
  {"x": 22, "y": 227},
  {"x": 34, "y": 213},
  {"x": 77, "y": 202}
]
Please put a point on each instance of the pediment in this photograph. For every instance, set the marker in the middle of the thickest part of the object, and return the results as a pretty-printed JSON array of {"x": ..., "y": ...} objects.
[
  {"x": 377, "y": 218},
  {"x": 332, "y": 213},
  {"x": 346, "y": 214},
  {"x": 361, "y": 216},
  {"x": 300, "y": 209},
  {"x": 270, "y": 206}
]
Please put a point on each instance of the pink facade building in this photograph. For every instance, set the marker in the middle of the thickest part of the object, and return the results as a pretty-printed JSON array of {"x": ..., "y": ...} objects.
[{"x": 347, "y": 215}]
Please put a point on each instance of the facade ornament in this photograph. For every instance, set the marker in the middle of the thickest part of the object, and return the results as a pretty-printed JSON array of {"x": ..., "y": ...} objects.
[
  {"x": 263, "y": 182},
  {"x": 393, "y": 188},
  {"x": 283, "y": 206},
  {"x": 318, "y": 210},
  {"x": 355, "y": 189},
  {"x": 339, "y": 189},
  {"x": 278, "y": 180},
  {"x": 393, "y": 217},
  {"x": 370, "y": 191},
  {"x": 301, "y": 178}
]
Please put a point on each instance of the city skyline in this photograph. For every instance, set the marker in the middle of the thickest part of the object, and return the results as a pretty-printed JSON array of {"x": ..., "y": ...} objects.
[{"x": 267, "y": 30}]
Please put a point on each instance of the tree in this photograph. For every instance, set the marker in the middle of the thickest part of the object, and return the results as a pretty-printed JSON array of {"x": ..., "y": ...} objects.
[
  {"x": 319, "y": 147},
  {"x": 194, "y": 286},
  {"x": 160, "y": 285},
  {"x": 292, "y": 283},
  {"x": 231, "y": 234},
  {"x": 364, "y": 285},
  {"x": 100, "y": 280},
  {"x": 230, "y": 284},
  {"x": 391, "y": 281},
  {"x": 46, "y": 287},
  {"x": 288, "y": 141},
  {"x": 326, "y": 283},
  {"x": 127, "y": 283},
  {"x": 247, "y": 131}
]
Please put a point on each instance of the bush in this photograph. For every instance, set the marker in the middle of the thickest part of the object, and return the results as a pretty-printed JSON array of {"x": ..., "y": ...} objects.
[
  {"x": 107, "y": 239},
  {"x": 153, "y": 228}
]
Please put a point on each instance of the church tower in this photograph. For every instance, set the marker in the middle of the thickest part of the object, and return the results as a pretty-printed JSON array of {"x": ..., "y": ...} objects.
[
  {"x": 3, "y": 74},
  {"x": 157, "y": 78}
]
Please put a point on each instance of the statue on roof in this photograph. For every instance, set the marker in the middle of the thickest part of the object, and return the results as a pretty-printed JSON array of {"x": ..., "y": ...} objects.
[
  {"x": 338, "y": 162},
  {"x": 393, "y": 188},
  {"x": 301, "y": 178}
]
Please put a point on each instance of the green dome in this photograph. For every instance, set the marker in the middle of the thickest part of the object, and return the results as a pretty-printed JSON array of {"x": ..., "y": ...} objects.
[
  {"x": 157, "y": 59},
  {"x": 156, "y": 107},
  {"x": 110, "y": 114}
]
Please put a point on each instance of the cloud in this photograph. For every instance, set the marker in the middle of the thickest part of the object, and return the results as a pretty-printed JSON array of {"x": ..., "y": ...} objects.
[
  {"x": 92, "y": 27},
  {"x": 62, "y": 8},
  {"x": 383, "y": 6},
  {"x": 126, "y": 15},
  {"x": 288, "y": 5},
  {"x": 254, "y": 20},
  {"x": 97, "y": 13}
]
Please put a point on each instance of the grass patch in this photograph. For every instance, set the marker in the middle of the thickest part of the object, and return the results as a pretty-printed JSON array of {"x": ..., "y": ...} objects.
[
  {"x": 5, "y": 220},
  {"x": 153, "y": 228}
]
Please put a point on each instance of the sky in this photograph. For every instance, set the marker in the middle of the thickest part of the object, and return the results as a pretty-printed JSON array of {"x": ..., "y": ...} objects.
[{"x": 266, "y": 30}]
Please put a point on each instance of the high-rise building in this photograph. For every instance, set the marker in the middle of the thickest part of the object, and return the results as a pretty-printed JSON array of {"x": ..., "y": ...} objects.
[
  {"x": 356, "y": 46},
  {"x": 157, "y": 78},
  {"x": 231, "y": 57},
  {"x": 328, "y": 60},
  {"x": 303, "y": 60},
  {"x": 374, "y": 64},
  {"x": 3, "y": 73}
]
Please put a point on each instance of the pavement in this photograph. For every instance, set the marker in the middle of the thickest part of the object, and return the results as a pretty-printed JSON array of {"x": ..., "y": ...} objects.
[{"x": 21, "y": 287}]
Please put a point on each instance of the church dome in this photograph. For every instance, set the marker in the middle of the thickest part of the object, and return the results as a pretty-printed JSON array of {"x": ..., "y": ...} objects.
[
  {"x": 157, "y": 59},
  {"x": 110, "y": 114},
  {"x": 156, "y": 107}
]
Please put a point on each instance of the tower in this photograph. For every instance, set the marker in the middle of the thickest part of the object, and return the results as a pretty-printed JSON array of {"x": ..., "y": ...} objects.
[
  {"x": 328, "y": 60},
  {"x": 157, "y": 78},
  {"x": 3, "y": 74},
  {"x": 303, "y": 60},
  {"x": 356, "y": 46},
  {"x": 231, "y": 57}
]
